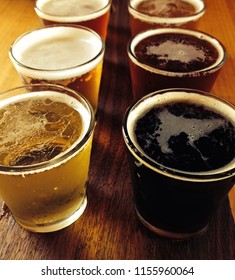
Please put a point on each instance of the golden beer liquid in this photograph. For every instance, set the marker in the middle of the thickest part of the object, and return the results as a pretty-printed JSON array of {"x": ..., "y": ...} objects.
[
  {"x": 43, "y": 196},
  {"x": 94, "y": 15},
  {"x": 87, "y": 84},
  {"x": 143, "y": 15}
]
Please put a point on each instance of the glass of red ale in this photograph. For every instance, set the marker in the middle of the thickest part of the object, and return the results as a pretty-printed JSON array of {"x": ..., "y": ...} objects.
[
  {"x": 149, "y": 14},
  {"x": 174, "y": 57},
  {"x": 92, "y": 14},
  {"x": 181, "y": 151}
]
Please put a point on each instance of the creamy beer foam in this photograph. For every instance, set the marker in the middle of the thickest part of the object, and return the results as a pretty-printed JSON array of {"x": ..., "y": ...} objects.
[
  {"x": 57, "y": 53},
  {"x": 159, "y": 11},
  {"x": 45, "y": 124},
  {"x": 174, "y": 126},
  {"x": 172, "y": 50},
  {"x": 71, "y": 10}
]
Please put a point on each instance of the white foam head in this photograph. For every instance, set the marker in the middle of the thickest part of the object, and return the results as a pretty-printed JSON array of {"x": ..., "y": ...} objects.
[
  {"x": 71, "y": 10},
  {"x": 57, "y": 52},
  {"x": 176, "y": 21},
  {"x": 200, "y": 35},
  {"x": 177, "y": 125}
]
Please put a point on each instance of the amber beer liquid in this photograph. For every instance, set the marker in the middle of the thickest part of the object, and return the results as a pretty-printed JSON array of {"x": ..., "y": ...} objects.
[
  {"x": 92, "y": 14},
  {"x": 181, "y": 149},
  {"x": 174, "y": 57},
  {"x": 65, "y": 55},
  {"x": 45, "y": 156},
  {"x": 150, "y": 14}
]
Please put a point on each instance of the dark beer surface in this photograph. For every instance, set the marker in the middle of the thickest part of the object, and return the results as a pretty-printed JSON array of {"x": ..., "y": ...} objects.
[
  {"x": 186, "y": 137},
  {"x": 165, "y": 8},
  {"x": 176, "y": 52}
]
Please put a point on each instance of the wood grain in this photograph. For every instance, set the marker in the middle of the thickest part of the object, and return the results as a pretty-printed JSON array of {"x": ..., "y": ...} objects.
[{"x": 109, "y": 228}]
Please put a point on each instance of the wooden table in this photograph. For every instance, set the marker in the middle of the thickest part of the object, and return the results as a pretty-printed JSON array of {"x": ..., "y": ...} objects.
[{"x": 109, "y": 228}]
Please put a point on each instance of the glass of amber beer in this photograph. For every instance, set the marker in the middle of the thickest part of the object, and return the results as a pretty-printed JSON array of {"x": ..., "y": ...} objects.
[
  {"x": 92, "y": 14},
  {"x": 45, "y": 155},
  {"x": 70, "y": 56},
  {"x": 181, "y": 151},
  {"x": 174, "y": 57},
  {"x": 150, "y": 14}
]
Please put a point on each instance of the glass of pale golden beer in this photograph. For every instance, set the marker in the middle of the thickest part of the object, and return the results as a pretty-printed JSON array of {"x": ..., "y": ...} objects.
[
  {"x": 149, "y": 14},
  {"x": 70, "y": 56},
  {"x": 181, "y": 151},
  {"x": 92, "y": 14},
  {"x": 45, "y": 155},
  {"x": 174, "y": 57}
]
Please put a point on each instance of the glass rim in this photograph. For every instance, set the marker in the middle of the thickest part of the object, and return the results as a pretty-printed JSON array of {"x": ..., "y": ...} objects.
[
  {"x": 68, "y": 153},
  {"x": 168, "y": 20},
  {"x": 97, "y": 57},
  {"x": 67, "y": 19},
  {"x": 199, "y": 34},
  {"x": 201, "y": 176}
]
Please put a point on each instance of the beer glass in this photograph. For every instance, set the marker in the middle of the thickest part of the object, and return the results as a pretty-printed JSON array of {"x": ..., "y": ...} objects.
[
  {"x": 181, "y": 152},
  {"x": 45, "y": 155},
  {"x": 150, "y": 14},
  {"x": 174, "y": 57},
  {"x": 92, "y": 14},
  {"x": 70, "y": 56}
]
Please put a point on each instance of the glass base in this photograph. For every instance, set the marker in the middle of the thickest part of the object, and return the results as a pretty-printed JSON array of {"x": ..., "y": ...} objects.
[
  {"x": 57, "y": 225},
  {"x": 169, "y": 234}
]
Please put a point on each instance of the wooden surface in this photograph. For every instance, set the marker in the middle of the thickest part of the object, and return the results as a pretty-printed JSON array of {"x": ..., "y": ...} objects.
[{"x": 109, "y": 228}]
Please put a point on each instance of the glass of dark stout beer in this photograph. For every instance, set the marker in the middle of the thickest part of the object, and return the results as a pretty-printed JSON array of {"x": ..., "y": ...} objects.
[
  {"x": 150, "y": 14},
  {"x": 181, "y": 151},
  {"x": 92, "y": 14},
  {"x": 45, "y": 155},
  {"x": 70, "y": 56},
  {"x": 174, "y": 57}
]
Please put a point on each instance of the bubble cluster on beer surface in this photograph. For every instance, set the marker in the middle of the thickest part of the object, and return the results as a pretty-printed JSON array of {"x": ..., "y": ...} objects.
[
  {"x": 42, "y": 127},
  {"x": 176, "y": 52}
]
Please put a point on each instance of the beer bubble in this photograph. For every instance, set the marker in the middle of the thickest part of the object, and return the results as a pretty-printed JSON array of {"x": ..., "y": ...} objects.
[
  {"x": 52, "y": 117},
  {"x": 48, "y": 101}
]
